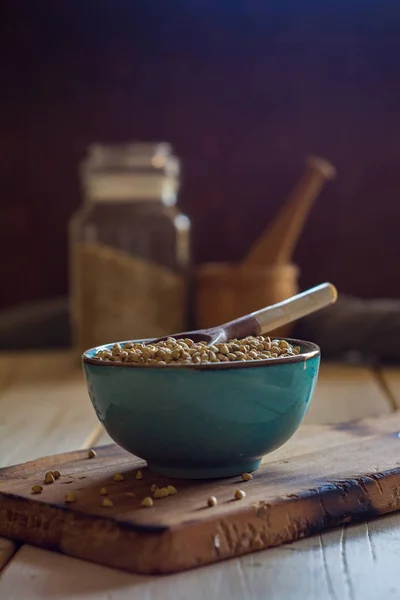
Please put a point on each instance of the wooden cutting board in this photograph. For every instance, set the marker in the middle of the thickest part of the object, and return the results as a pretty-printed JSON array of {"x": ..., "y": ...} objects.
[{"x": 324, "y": 476}]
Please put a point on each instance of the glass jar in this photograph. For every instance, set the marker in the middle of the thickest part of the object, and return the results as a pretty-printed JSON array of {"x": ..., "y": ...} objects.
[{"x": 129, "y": 246}]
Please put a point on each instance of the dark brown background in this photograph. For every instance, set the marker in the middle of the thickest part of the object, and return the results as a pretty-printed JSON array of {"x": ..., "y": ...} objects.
[{"x": 243, "y": 90}]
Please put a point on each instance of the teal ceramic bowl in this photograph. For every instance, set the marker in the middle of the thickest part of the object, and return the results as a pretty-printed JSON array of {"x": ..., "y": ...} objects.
[{"x": 203, "y": 421}]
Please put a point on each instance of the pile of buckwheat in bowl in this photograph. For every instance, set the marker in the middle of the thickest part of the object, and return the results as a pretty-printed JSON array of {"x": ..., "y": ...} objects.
[{"x": 171, "y": 352}]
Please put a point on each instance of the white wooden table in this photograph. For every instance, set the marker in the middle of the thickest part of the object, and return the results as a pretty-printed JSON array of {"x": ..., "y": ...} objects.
[{"x": 44, "y": 409}]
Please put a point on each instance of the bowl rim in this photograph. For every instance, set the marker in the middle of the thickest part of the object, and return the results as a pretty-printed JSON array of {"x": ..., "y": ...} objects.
[{"x": 311, "y": 351}]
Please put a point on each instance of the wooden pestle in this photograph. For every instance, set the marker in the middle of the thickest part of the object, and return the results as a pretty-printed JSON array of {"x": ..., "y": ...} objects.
[{"x": 277, "y": 243}]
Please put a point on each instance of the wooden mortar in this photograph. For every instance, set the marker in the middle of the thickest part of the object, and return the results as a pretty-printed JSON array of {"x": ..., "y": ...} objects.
[{"x": 266, "y": 275}]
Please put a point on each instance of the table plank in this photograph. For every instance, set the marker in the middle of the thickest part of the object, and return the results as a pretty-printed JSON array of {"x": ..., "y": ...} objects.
[
  {"x": 46, "y": 420},
  {"x": 346, "y": 393},
  {"x": 5, "y": 371},
  {"x": 343, "y": 394},
  {"x": 44, "y": 409},
  {"x": 391, "y": 381},
  {"x": 30, "y": 367},
  {"x": 7, "y": 549},
  {"x": 351, "y": 563}
]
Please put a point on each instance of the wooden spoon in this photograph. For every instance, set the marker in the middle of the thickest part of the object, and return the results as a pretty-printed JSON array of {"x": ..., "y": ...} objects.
[{"x": 267, "y": 319}]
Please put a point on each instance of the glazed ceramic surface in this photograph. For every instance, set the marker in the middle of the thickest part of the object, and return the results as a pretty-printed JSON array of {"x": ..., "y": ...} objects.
[{"x": 203, "y": 421}]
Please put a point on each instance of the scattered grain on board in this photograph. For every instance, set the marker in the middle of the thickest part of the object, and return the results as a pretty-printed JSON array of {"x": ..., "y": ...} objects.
[
  {"x": 212, "y": 501},
  {"x": 147, "y": 501},
  {"x": 246, "y": 476},
  {"x": 103, "y": 491},
  {"x": 161, "y": 492},
  {"x": 172, "y": 490},
  {"x": 92, "y": 453},
  {"x": 107, "y": 502},
  {"x": 153, "y": 488},
  {"x": 70, "y": 497},
  {"x": 56, "y": 474},
  {"x": 172, "y": 352},
  {"x": 49, "y": 477},
  {"x": 240, "y": 494},
  {"x": 118, "y": 477},
  {"x": 37, "y": 489},
  {"x": 139, "y": 475}
]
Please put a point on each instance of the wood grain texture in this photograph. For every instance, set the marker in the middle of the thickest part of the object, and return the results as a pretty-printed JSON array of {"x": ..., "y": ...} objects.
[
  {"x": 391, "y": 381},
  {"x": 29, "y": 367},
  {"x": 103, "y": 438},
  {"x": 359, "y": 562},
  {"x": 356, "y": 562},
  {"x": 345, "y": 393},
  {"x": 5, "y": 371},
  {"x": 7, "y": 549},
  {"x": 285, "y": 501},
  {"x": 44, "y": 407}
]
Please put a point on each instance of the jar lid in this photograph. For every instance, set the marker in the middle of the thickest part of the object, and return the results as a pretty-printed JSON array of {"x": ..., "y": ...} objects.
[{"x": 131, "y": 172}]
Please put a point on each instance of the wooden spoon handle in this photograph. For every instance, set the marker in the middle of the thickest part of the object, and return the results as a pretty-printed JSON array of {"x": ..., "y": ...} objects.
[{"x": 296, "y": 307}]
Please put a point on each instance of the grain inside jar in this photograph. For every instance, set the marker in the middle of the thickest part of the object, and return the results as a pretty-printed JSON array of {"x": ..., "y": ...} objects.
[{"x": 129, "y": 247}]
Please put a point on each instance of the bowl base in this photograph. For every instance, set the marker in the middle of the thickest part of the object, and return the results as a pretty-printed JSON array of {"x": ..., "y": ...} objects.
[{"x": 231, "y": 470}]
